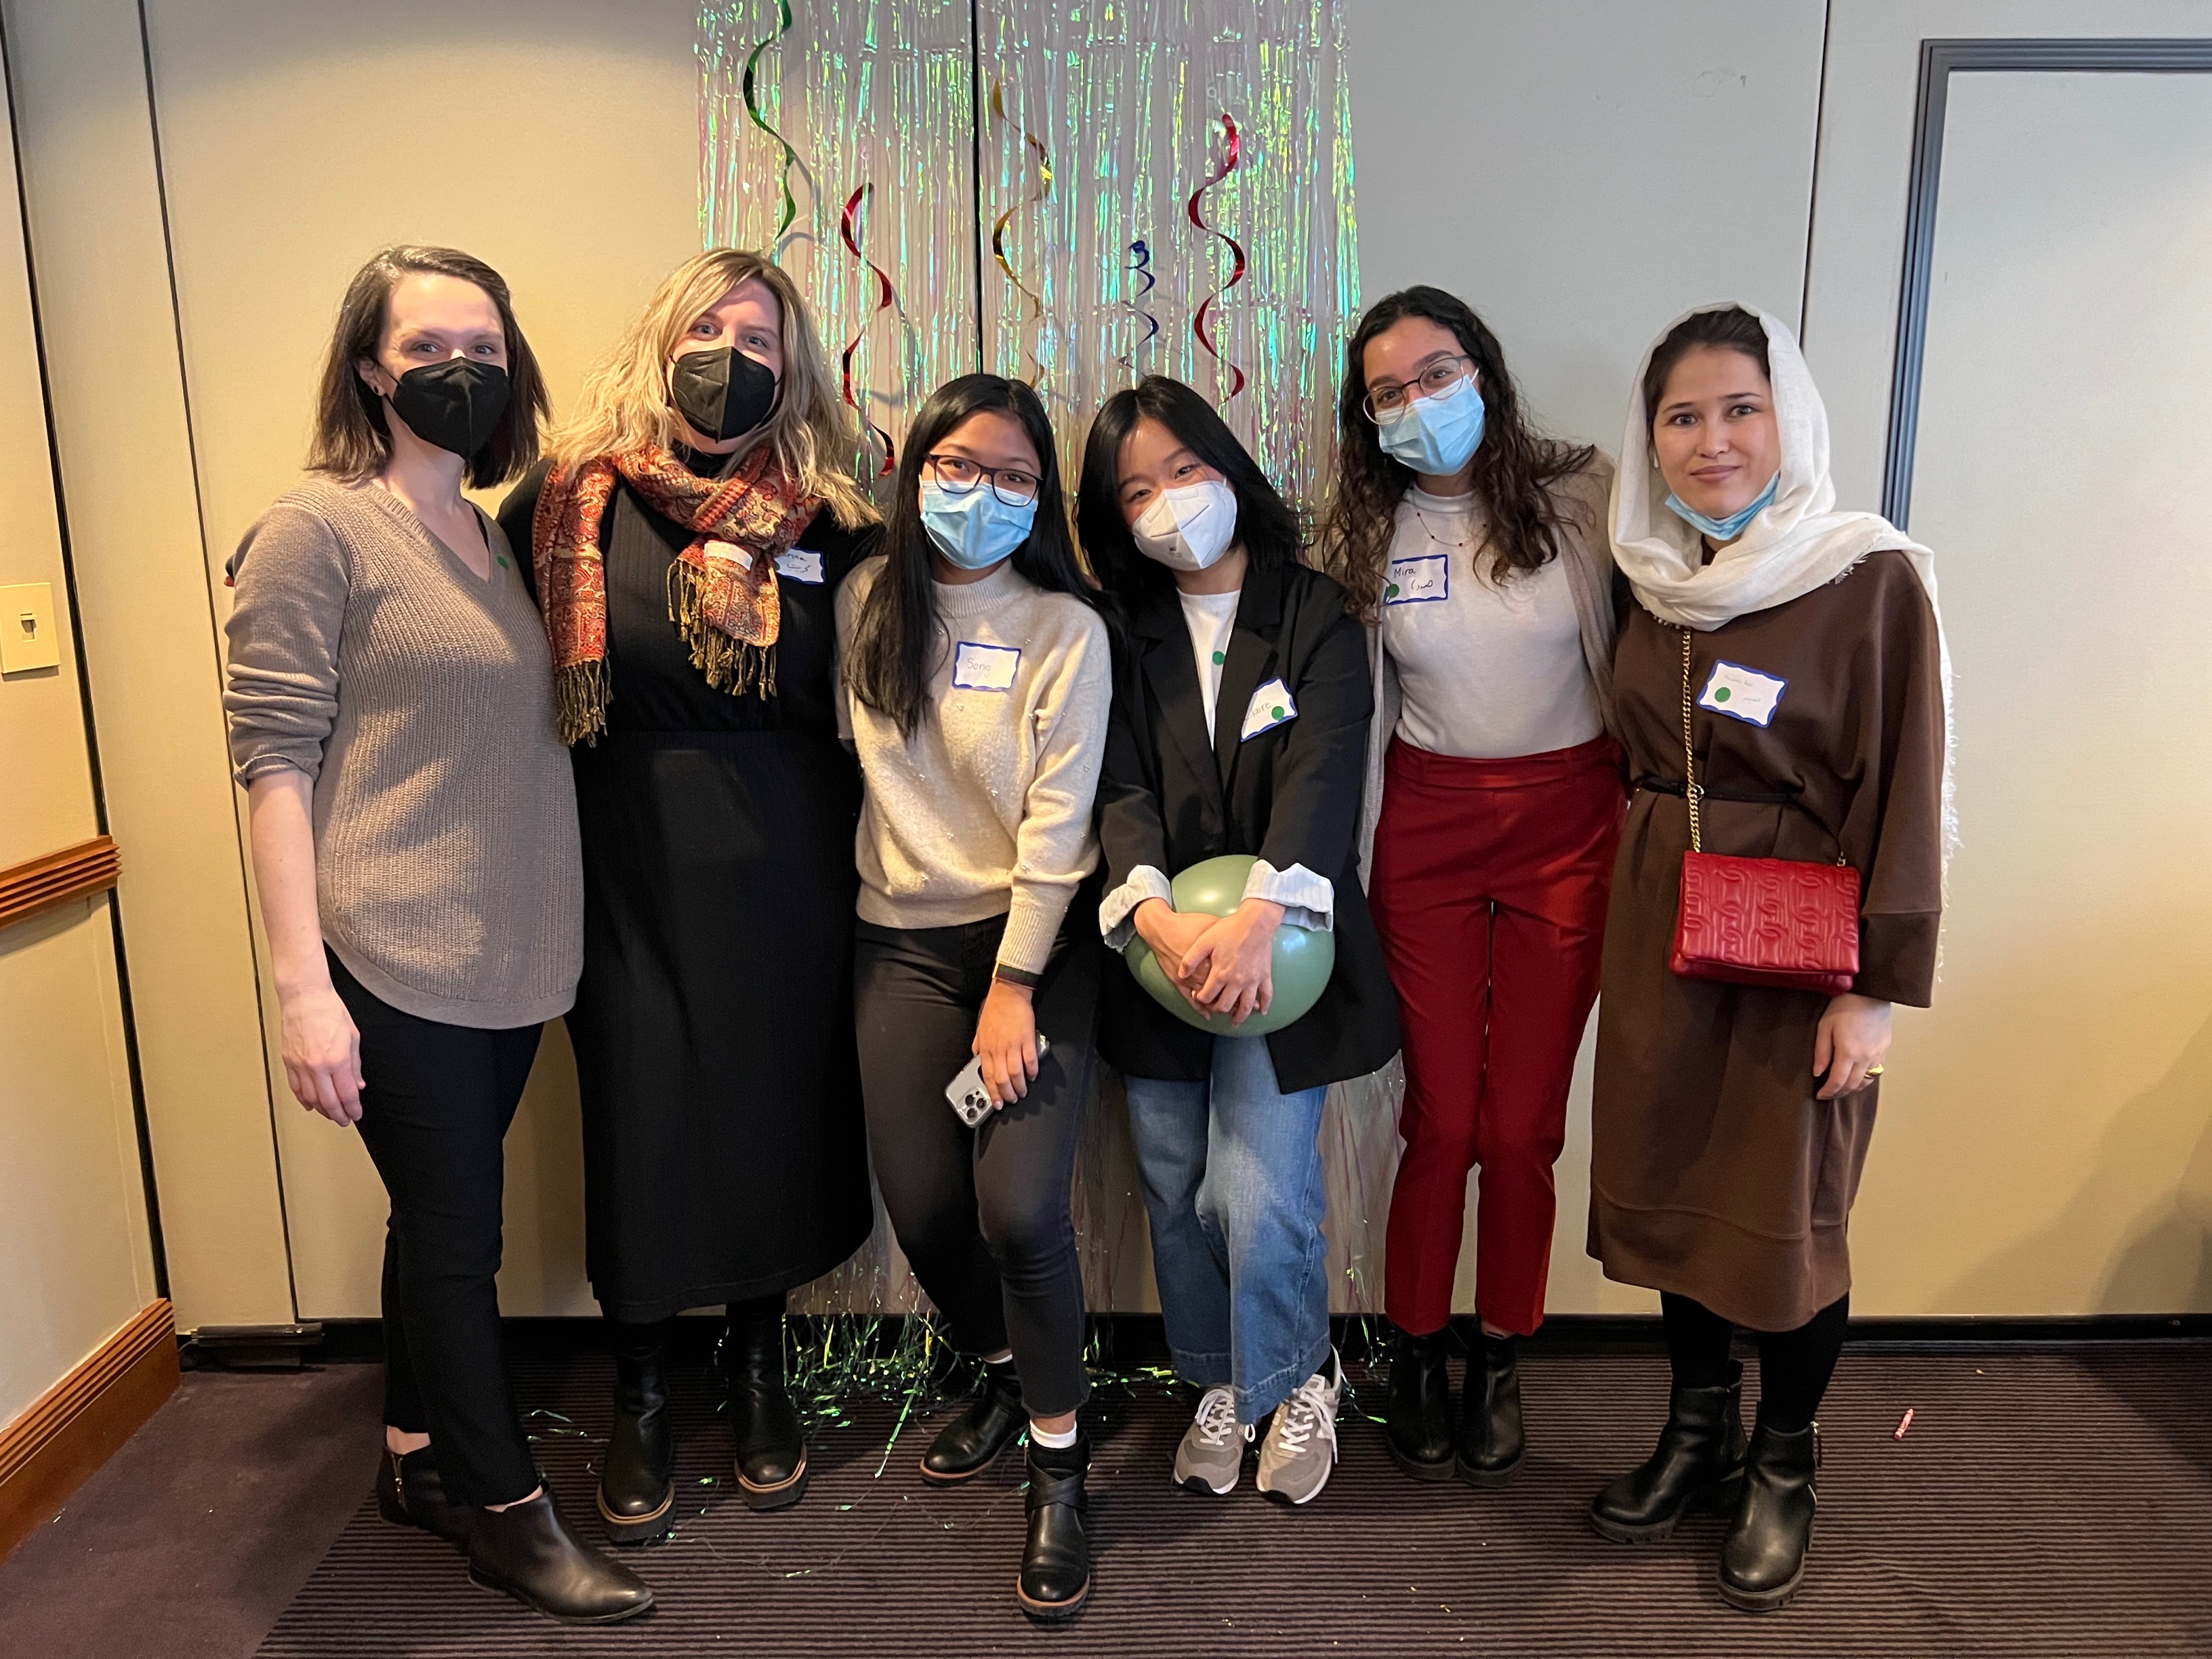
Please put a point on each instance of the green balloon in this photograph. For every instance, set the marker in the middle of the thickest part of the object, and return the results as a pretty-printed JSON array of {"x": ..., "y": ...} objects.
[{"x": 1303, "y": 957}]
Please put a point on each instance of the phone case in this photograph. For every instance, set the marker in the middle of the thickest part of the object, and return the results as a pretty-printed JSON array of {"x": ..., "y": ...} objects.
[{"x": 971, "y": 1101}]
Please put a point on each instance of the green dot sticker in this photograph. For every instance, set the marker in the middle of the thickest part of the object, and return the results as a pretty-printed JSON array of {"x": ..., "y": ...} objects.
[
  {"x": 1219, "y": 658},
  {"x": 1720, "y": 694},
  {"x": 1391, "y": 591},
  {"x": 503, "y": 564},
  {"x": 1278, "y": 711}
]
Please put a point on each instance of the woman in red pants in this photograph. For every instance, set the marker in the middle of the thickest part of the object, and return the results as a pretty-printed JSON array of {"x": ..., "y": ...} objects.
[{"x": 1476, "y": 550}]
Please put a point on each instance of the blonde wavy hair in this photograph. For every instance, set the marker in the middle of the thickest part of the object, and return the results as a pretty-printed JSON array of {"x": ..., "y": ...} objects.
[{"x": 624, "y": 403}]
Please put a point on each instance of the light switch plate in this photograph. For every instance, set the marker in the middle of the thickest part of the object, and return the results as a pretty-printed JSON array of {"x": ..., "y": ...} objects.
[{"x": 28, "y": 638}]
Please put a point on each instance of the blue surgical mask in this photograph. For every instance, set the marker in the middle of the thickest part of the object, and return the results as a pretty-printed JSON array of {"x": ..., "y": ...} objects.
[
  {"x": 1727, "y": 529},
  {"x": 973, "y": 529},
  {"x": 1436, "y": 436}
]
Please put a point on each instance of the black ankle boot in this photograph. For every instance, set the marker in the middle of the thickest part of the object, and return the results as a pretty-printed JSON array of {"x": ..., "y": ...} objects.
[
  {"x": 1417, "y": 1414},
  {"x": 771, "y": 1444},
  {"x": 971, "y": 1441},
  {"x": 637, "y": 1493},
  {"x": 1763, "y": 1561},
  {"x": 1055, "y": 1575},
  {"x": 410, "y": 1492},
  {"x": 526, "y": 1551},
  {"x": 1698, "y": 1459},
  {"x": 1492, "y": 1442}
]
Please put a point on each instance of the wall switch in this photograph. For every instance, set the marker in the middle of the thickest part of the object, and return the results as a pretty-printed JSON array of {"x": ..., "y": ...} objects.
[{"x": 28, "y": 639}]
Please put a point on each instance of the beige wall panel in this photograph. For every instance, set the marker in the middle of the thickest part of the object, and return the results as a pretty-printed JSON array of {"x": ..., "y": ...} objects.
[
  {"x": 1866, "y": 172},
  {"x": 557, "y": 140},
  {"x": 88, "y": 153},
  {"x": 74, "y": 1258},
  {"x": 2047, "y": 1146},
  {"x": 1549, "y": 164}
]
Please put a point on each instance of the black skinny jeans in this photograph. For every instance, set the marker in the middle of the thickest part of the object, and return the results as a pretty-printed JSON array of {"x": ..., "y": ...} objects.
[
  {"x": 435, "y": 1107},
  {"x": 982, "y": 1214},
  {"x": 1794, "y": 1366}
]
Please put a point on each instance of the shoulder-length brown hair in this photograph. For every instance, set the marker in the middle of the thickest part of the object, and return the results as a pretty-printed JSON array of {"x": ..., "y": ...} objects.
[
  {"x": 1515, "y": 467},
  {"x": 352, "y": 441}
]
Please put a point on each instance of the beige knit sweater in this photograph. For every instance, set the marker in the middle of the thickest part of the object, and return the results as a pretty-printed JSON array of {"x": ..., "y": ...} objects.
[
  {"x": 364, "y": 653},
  {"x": 987, "y": 811}
]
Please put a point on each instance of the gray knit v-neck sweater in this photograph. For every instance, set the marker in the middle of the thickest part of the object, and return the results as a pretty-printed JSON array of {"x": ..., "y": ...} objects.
[{"x": 419, "y": 699}]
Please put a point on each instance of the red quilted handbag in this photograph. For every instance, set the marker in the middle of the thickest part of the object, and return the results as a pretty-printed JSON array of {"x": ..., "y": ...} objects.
[{"x": 1761, "y": 921}]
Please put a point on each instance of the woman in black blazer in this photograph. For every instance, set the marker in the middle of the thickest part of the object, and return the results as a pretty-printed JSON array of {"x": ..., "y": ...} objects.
[{"x": 1241, "y": 704}]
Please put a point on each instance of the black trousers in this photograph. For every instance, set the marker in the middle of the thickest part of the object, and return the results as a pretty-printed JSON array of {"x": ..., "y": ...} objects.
[
  {"x": 1794, "y": 1366},
  {"x": 982, "y": 1214},
  {"x": 433, "y": 1111}
]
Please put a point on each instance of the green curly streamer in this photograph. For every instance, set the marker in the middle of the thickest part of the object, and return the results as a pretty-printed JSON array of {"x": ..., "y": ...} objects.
[{"x": 752, "y": 109}]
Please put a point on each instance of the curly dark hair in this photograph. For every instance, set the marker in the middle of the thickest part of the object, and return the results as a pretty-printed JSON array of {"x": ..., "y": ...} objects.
[
  {"x": 1515, "y": 468},
  {"x": 1265, "y": 523}
]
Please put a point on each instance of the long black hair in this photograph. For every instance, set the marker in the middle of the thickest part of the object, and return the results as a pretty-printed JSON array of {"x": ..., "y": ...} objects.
[
  {"x": 1515, "y": 467},
  {"x": 897, "y": 636},
  {"x": 1265, "y": 523}
]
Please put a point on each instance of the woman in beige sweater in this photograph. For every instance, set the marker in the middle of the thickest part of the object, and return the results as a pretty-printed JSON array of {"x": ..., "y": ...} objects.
[
  {"x": 414, "y": 828},
  {"x": 977, "y": 684}
]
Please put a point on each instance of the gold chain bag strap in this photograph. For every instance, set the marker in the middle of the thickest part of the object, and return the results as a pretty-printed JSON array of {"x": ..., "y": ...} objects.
[{"x": 1779, "y": 922}]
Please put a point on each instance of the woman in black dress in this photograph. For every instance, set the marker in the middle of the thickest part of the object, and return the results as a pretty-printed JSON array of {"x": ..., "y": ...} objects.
[{"x": 687, "y": 545}]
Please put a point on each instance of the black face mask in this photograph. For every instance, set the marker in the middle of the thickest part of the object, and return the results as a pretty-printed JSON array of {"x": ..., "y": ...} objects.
[
  {"x": 454, "y": 405},
  {"x": 723, "y": 394}
]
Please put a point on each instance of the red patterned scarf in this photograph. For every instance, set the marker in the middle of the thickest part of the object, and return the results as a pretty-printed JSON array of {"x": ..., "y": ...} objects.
[{"x": 721, "y": 589}]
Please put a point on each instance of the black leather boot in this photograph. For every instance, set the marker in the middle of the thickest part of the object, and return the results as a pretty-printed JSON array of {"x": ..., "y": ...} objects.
[
  {"x": 410, "y": 1492},
  {"x": 1416, "y": 1415},
  {"x": 971, "y": 1441},
  {"x": 637, "y": 1493},
  {"x": 1055, "y": 1574},
  {"x": 771, "y": 1443},
  {"x": 527, "y": 1552},
  {"x": 1492, "y": 1442},
  {"x": 1763, "y": 1561},
  {"x": 1698, "y": 1459}
]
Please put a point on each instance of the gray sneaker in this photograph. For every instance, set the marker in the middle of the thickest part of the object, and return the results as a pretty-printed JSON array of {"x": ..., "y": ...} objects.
[
  {"x": 1211, "y": 1455},
  {"x": 1300, "y": 1449}
]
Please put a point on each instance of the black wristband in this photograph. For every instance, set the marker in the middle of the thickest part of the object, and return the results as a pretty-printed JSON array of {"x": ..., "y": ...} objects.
[{"x": 1020, "y": 976}]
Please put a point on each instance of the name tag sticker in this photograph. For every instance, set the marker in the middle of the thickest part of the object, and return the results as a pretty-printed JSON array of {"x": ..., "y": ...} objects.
[
  {"x": 984, "y": 667},
  {"x": 1271, "y": 706},
  {"x": 801, "y": 566},
  {"x": 1417, "y": 581},
  {"x": 1743, "y": 693},
  {"x": 730, "y": 552}
]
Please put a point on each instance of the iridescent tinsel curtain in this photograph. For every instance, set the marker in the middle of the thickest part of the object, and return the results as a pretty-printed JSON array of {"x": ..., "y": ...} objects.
[{"x": 850, "y": 136}]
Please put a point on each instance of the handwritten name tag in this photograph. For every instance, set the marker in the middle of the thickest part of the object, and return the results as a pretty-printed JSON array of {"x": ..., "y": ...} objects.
[
  {"x": 984, "y": 667},
  {"x": 1418, "y": 582},
  {"x": 800, "y": 565},
  {"x": 1271, "y": 706},
  {"x": 1742, "y": 693}
]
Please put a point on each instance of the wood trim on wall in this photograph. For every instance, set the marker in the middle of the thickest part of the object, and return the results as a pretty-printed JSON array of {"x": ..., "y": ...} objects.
[
  {"x": 90, "y": 867},
  {"x": 82, "y": 1421}
]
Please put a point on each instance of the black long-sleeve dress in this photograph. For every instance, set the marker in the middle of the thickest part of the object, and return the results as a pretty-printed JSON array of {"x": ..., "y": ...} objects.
[{"x": 725, "y": 1157}]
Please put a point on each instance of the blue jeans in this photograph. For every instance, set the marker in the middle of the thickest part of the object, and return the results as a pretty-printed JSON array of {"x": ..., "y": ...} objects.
[{"x": 1233, "y": 1186}]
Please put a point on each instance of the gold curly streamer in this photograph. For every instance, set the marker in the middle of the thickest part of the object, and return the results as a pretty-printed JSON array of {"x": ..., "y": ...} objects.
[{"x": 1036, "y": 324}]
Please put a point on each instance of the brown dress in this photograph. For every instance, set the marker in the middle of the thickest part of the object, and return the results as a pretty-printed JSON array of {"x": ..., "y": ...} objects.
[{"x": 1715, "y": 1172}]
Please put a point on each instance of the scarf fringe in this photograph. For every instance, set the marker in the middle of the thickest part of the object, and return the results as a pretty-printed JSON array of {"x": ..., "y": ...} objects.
[
  {"x": 729, "y": 665},
  {"x": 580, "y": 696}
]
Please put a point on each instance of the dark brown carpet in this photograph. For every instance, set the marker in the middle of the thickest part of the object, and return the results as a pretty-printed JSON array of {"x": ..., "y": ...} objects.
[
  {"x": 192, "y": 1539},
  {"x": 2044, "y": 1503}
]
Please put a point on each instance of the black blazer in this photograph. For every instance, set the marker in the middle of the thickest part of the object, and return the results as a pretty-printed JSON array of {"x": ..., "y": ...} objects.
[{"x": 1171, "y": 798}]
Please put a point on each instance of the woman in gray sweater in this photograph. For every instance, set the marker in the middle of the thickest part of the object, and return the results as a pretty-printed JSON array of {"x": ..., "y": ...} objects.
[{"x": 414, "y": 833}]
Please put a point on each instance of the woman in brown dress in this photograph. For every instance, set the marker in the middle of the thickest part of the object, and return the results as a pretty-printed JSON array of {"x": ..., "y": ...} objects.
[{"x": 1731, "y": 1121}]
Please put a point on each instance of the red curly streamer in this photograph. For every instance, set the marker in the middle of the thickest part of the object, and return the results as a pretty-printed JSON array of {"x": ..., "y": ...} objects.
[
  {"x": 1236, "y": 272},
  {"x": 848, "y": 228},
  {"x": 998, "y": 227}
]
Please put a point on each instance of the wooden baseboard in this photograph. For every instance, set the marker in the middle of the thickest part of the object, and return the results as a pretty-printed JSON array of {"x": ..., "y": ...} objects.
[{"x": 77, "y": 1424}]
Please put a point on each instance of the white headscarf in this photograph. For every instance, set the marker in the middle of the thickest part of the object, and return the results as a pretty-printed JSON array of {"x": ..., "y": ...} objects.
[{"x": 1798, "y": 541}]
